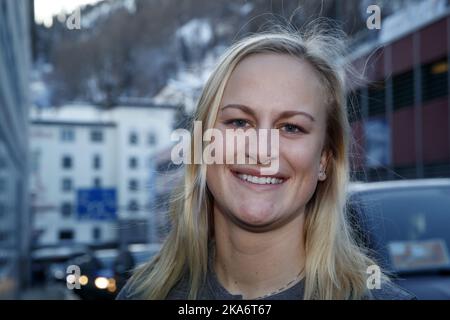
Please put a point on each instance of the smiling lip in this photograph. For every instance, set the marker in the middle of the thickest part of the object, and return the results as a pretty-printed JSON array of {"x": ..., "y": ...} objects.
[
  {"x": 255, "y": 172},
  {"x": 253, "y": 178}
]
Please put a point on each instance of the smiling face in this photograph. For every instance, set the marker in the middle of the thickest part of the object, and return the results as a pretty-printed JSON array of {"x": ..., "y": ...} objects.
[{"x": 271, "y": 91}]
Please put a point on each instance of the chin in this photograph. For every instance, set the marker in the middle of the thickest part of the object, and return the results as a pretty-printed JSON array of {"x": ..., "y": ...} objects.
[{"x": 255, "y": 217}]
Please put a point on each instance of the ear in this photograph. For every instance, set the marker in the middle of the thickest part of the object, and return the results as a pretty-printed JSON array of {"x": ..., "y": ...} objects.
[{"x": 324, "y": 160}]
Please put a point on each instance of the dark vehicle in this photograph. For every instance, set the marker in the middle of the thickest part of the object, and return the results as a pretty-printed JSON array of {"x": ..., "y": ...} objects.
[
  {"x": 97, "y": 281},
  {"x": 104, "y": 272},
  {"x": 407, "y": 225},
  {"x": 49, "y": 263}
]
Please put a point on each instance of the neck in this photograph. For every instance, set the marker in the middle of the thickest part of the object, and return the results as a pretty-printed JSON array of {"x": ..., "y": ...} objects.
[{"x": 257, "y": 264}]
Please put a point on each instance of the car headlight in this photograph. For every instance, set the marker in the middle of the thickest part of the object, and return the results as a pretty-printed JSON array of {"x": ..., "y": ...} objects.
[
  {"x": 112, "y": 285},
  {"x": 101, "y": 282},
  {"x": 83, "y": 280}
]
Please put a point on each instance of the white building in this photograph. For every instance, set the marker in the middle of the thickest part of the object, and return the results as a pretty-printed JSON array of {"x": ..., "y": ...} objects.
[{"x": 78, "y": 147}]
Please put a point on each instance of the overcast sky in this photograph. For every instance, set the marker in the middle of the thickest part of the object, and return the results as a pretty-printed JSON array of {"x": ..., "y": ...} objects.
[{"x": 45, "y": 9}]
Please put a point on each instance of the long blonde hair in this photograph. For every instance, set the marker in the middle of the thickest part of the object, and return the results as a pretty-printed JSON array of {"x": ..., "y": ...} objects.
[{"x": 335, "y": 264}]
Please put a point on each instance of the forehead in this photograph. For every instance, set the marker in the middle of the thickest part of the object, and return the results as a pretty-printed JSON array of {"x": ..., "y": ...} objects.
[{"x": 277, "y": 82}]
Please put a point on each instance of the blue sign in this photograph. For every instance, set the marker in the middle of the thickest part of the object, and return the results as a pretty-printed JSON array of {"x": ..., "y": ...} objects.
[{"x": 97, "y": 204}]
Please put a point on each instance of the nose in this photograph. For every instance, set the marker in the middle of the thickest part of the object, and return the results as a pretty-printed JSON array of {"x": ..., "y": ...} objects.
[{"x": 267, "y": 147}]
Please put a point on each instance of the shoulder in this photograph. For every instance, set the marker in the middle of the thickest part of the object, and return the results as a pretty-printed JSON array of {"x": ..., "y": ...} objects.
[
  {"x": 390, "y": 291},
  {"x": 179, "y": 291},
  {"x": 127, "y": 293}
]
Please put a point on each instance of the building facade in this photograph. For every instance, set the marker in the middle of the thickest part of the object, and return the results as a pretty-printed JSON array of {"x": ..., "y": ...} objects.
[
  {"x": 91, "y": 171},
  {"x": 15, "y": 56},
  {"x": 401, "y": 117}
]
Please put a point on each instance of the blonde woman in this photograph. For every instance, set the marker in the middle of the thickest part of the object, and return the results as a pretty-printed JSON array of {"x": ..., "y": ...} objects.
[{"x": 239, "y": 234}]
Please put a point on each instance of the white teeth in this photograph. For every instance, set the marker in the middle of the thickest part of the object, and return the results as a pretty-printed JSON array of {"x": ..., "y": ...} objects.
[{"x": 260, "y": 180}]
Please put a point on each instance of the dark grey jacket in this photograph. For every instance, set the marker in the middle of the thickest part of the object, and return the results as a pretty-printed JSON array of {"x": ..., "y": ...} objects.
[{"x": 213, "y": 290}]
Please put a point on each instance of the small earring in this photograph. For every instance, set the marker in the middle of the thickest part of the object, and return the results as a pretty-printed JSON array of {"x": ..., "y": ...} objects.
[{"x": 322, "y": 175}]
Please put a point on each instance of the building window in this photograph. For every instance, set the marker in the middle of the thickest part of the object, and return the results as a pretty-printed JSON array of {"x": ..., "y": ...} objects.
[
  {"x": 66, "y": 209},
  {"x": 96, "y": 135},
  {"x": 67, "y": 184},
  {"x": 133, "y": 185},
  {"x": 133, "y": 206},
  {"x": 133, "y": 138},
  {"x": 96, "y": 233},
  {"x": 152, "y": 139},
  {"x": 97, "y": 182},
  {"x": 435, "y": 80},
  {"x": 403, "y": 90},
  {"x": 133, "y": 162},
  {"x": 66, "y": 234},
  {"x": 67, "y": 135},
  {"x": 67, "y": 162},
  {"x": 376, "y": 99},
  {"x": 97, "y": 162}
]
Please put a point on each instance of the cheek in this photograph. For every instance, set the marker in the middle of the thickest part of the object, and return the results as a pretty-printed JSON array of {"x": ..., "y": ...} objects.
[
  {"x": 303, "y": 158},
  {"x": 215, "y": 179},
  {"x": 211, "y": 178}
]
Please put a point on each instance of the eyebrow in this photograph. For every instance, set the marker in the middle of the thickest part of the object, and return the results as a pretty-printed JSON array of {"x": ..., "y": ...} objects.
[{"x": 284, "y": 114}]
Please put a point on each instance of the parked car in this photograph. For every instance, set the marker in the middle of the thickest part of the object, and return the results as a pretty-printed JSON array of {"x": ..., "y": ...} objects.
[
  {"x": 97, "y": 279},
  {"x": 105, "y": 271},
  {"x": 49, "y": 263},
  {"x": 407, "y": 226}
]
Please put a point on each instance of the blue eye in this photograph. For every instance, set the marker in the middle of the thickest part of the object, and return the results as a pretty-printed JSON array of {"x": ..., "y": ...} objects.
[
  {"x": 238, "y": 123},
  {"x": 291, "y": 128}
]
